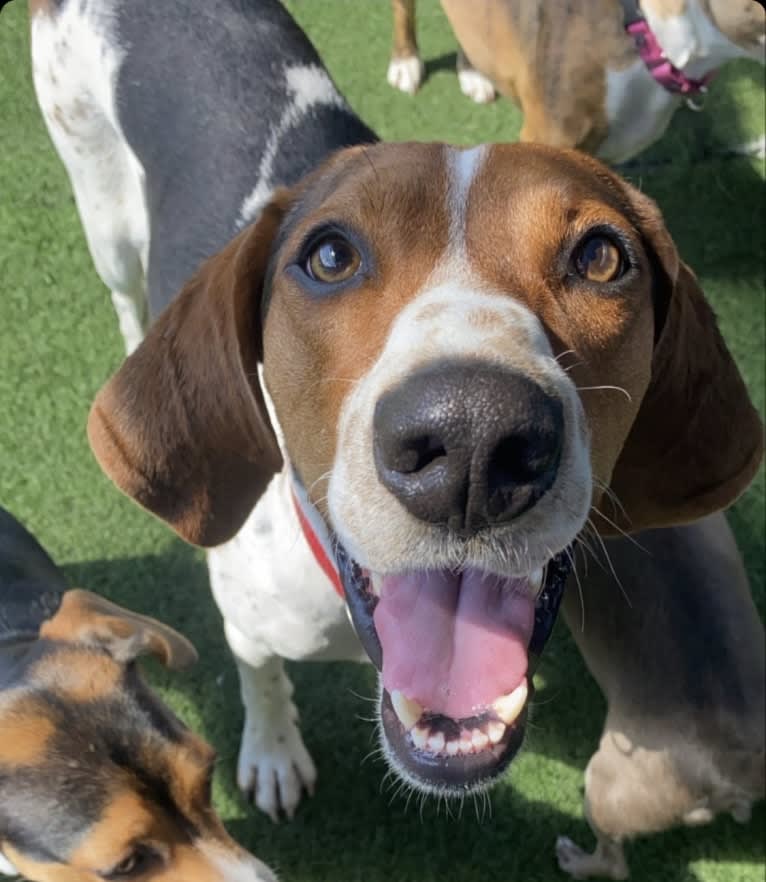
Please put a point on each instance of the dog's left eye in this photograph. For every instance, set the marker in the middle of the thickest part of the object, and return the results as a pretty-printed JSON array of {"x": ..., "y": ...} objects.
[
  {"x": 136, "y": 863},
  {"x": 332, "y": 259},
  {"x": 599, "y": 259}
]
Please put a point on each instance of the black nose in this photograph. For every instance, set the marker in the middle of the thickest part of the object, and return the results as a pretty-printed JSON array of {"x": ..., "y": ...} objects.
[{"x": 467, "y": 444}]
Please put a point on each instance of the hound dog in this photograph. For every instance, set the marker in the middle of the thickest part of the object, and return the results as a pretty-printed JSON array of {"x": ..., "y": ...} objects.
[
  {"x": 370, "y": 389},
  {"x": 605, "y": 76},
  {"x": 98, "y": 779}
]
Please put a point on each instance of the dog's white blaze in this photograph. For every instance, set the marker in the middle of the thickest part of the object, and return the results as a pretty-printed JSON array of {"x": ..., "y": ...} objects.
[
  {"x": 462, "y": 167},
  {"x": 236, "y": 868},
  {"x": 309, "y": 86},
  {"x": 450, "y": 321},
  {"x": 75, "y": 61}
]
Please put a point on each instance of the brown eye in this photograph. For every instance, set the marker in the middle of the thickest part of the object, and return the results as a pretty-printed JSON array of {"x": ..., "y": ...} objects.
[
  {"x": 333, "y": 259},
  {"x": 135, "y": 864},
  {"x": 599, "y": 260}
]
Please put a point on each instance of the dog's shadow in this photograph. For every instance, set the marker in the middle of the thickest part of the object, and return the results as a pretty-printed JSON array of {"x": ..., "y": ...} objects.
[{"x": 358, "y": 826}]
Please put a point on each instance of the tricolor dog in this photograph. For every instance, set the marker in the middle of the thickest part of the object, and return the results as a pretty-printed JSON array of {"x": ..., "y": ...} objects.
[
  {"x": 405, "y": 389},
  {"x": 605, "y": 76},
  {"x": 98, "y": 779}
]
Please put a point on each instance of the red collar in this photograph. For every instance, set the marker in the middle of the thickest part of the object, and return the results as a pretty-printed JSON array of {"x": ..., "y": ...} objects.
[
  {"x": 666, "y": 74},
  {"x": 320, "y": 555}
]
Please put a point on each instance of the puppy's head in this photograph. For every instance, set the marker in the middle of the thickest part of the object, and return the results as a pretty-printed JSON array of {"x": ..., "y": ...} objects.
[
  {"x": 467, "y": 353},
  {"x": 98, "y": 779}
]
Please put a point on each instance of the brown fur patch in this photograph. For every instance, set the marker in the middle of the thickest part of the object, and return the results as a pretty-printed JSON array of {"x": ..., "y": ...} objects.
[
  {"x": 405, "y": 41},
  {"x": 529, "y": 51},
  {"x": 79, "y": 675},
  {"x": 395, "y": 197},
  {"x": 24, "y": 734}
]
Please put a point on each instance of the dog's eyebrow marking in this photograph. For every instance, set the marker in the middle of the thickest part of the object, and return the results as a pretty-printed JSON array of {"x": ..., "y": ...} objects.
[
  {"x": 462, "y": 167},
  {"x": 24, "y": 736},
  {"x": 81, "y": 676}
]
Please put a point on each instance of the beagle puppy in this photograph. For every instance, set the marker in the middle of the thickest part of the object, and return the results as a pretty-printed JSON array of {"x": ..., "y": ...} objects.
[
  {"x": 605, "y": 76},
  {"x": 432, "y": 367},
  {"x": 98, "y": 779},
  {"x": 681, "y": 663}
]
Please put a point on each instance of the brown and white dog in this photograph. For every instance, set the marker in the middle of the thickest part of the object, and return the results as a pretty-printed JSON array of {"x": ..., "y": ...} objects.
[
  {"x": 98, "y": 778},
  {"x": 412, "y": 378},
  {"x": 397, "y": 330},
  {"x": 605, "y": 76}
]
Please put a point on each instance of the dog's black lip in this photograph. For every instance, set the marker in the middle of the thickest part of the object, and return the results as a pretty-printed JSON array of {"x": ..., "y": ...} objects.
[{"x": 456, "y": 774}]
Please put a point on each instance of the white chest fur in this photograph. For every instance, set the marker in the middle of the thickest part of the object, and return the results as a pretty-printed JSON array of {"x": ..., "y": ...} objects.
[
  {"x": 268, "y": 584},
  {"x": 638, "y": 111}
]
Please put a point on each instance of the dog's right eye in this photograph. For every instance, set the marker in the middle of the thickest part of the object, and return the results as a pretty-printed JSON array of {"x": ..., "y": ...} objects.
[
  {"x": 135, "y": 864},
  {"x": 332, "y": 259}
]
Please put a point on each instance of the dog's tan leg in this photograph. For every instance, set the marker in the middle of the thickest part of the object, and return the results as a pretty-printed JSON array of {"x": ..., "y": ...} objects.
[
  {"x": 405, "y": 70},
  {"x": 472, "y": 83},
  {"x": 607, "y": 861}
]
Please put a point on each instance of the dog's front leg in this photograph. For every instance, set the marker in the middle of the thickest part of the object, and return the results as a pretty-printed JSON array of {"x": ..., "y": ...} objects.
[{"x": 274, "y": 767}]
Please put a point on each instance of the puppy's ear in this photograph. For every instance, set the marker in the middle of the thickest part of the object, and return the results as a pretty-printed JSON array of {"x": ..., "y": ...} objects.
[
  {"x": 697, "y": 439},
  {"x": 182, "y": 427},
  {"x": 87, "y": 619}
]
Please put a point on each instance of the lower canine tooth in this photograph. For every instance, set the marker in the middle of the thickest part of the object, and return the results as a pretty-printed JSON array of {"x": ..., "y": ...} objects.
[
  {"x": 419, "y": 737},
  {"x": 508, "y": 707},
  {"x": 496, "y": 730},
  {"x": 408, "y": 711}
]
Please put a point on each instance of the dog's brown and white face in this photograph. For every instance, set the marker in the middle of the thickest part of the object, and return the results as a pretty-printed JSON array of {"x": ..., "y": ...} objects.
[
  {"x": 98, "y": 779},
  {"x": 468, "y": 353}
]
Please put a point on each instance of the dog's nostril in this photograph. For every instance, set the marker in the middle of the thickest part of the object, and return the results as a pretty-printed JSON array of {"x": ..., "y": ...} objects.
[{"x": 418, "y": 453}]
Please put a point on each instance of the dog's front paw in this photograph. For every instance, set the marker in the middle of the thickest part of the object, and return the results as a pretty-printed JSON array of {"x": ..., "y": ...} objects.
[
  {"x": 274, "y": 769},
  {"x": 572, "y": 859},
  {"x": 476, "y": 86},
  {"x": 406, "y": 74},
  {"x": 607, "y": 860}
]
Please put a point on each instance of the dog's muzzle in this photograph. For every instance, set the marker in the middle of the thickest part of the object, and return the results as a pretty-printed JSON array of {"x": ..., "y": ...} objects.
[{"x": 466, "y": 448}]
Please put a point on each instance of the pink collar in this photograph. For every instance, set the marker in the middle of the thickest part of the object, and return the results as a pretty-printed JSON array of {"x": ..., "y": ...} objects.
[{"x": 668, "y": 76}]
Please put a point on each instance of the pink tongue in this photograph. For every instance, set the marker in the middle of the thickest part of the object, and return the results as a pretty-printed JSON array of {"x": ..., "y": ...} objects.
[{"x": 454, "y": 642}]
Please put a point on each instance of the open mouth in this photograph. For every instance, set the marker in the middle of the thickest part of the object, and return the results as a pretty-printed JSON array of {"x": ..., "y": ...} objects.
[{"x": 455, "y": 650}]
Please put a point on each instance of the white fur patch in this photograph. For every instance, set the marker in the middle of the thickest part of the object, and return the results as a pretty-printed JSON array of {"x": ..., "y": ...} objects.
[
  {"x": 308, "y": 86},
  {"x": 6, "y": 867},
  {"x": 450, "y": 321},
  {"x": 476, "y": 86},
  {"x": 405, "y": 74},
  {"x": 76, "y": 59},
  {"x": 236, "y": 868}
]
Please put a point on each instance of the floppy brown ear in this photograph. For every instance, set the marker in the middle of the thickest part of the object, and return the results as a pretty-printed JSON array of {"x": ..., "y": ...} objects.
[
  {"x": 697, "y": 440},
  {"x": 87, "y": 619},
  {"x": 182, "y": 427}
]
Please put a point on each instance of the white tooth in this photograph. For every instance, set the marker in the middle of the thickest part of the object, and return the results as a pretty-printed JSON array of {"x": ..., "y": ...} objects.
[
  {"x": 479, "y": 739},
  {"x": 419, "y": 737},
  {"x": 496, "y": 730},
  {"x": 376, "y": 580},
  {"x": 465, "y": 745},
  {"x": 452, "y": 748},
  {"x": 508, "y": 707},
  {"x": 436, "y": 742},
  {"x": 536, "y": 580},
  {"x": 408, "y": 711}
]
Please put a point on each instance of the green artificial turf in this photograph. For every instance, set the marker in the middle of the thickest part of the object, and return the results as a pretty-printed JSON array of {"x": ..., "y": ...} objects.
[{"x": 59, "y": 341}]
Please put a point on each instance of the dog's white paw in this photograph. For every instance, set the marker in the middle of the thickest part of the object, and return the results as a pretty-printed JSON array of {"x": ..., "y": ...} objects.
[
  {"x": 476, "y": 86},
  {"x": 274, "y": 769},
  {"x": 570, "y": 857},
  {"x": 406, "y": 74}
]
